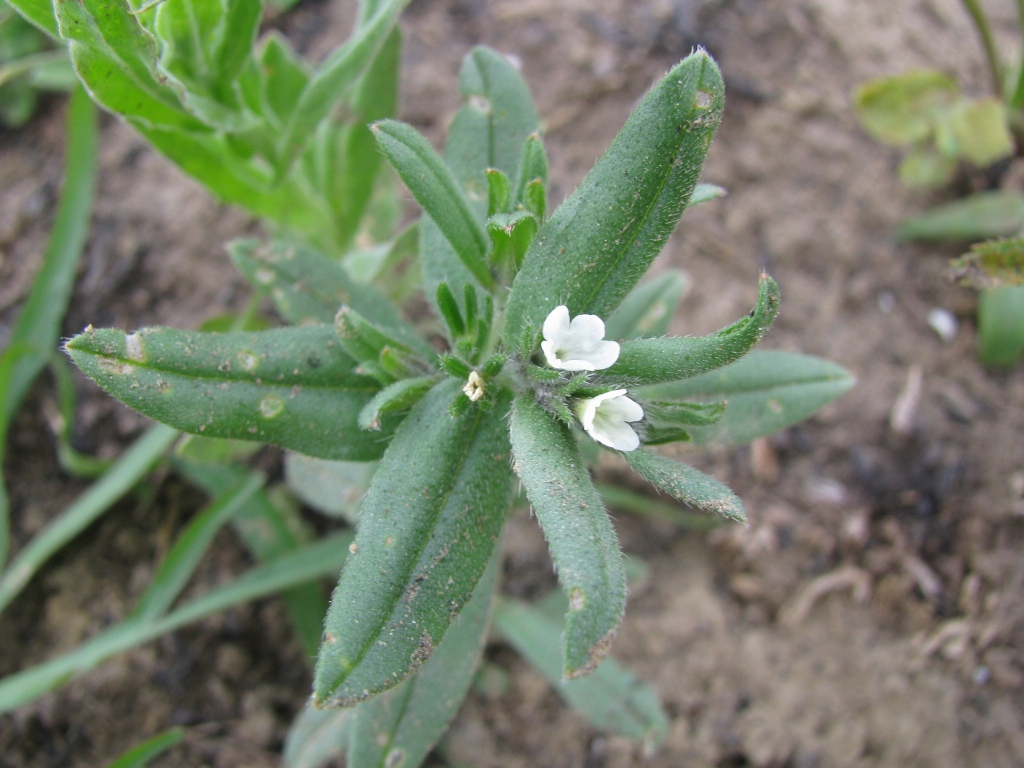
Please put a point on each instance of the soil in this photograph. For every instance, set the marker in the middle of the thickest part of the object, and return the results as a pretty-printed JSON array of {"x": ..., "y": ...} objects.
[{"x": 870, "y": 615}]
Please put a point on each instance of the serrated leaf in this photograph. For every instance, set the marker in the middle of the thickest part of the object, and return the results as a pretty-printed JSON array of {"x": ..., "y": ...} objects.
[
  {"x": 592, "y": 250},
  {"x": 428, "y": 526},
  {"x": 648, "y": 309},
  {"x": 1001, "y": 326},
  {"x": 903, "y": 109},
  {"x": 764, "y": 392},
  {"x": 488, "y": 132},
  {"x": 612, "y": 699},
  {"x": 437, "y": 191},
  {"x": 981, "y": 215},
  {"x": 400, "y": 726},
  {"x": 579, "y": 533},
  {"x": 652, "y": 361},
  {"x": 686, "y": 484},
  {"x": 293, "y": 387}
]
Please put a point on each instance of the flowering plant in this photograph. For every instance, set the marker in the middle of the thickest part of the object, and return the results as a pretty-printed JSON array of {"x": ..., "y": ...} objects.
[{"x": 516, "y": 381}]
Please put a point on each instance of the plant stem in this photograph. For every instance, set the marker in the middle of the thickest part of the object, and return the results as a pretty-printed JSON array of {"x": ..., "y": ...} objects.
[
  {"x": 981, "y": 23},
  {"x": 1017, "y": 97}
]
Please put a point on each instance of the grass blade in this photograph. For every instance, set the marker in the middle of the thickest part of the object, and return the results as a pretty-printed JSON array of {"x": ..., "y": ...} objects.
[{"x": 140, "y": 755}]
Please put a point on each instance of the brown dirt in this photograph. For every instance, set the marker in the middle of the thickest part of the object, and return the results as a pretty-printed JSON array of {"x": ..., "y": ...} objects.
[{"x": 870, "y": 614}]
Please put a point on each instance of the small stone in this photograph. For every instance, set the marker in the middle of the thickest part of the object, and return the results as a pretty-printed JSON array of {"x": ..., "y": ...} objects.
[{"x": 944, "y": 323}]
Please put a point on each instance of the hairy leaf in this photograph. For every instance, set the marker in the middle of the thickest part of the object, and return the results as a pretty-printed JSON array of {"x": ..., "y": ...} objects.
[{"x": 686, "y": 484}]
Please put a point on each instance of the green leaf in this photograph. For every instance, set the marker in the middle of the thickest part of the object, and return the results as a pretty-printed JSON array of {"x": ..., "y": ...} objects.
[
  {"x": 602, "y": 239},
  {"x": 289, "y": 570},
  {"x": 438, "y": 192},
  {"x": 400, "y": 726},
  {"x": 648, "y": 309},
  {"x": 39, "y": 12},
  {"x": 765, "y": 391},
  {"x": 982, "y": 131},
  {"x": 685, "y": 414},
  {"x": 189, "y": 548},
  {"x": 292, "y": 387},
  {"x": 335, "y": 78},
  {"x": 488, "y": 132},
  {"x": 927, "y": 168},
  {"x": 992, "y": 263},
  {"x": 652, "y": 361},
  {"x": 903, "y": 109},
  {"x": 686, "y": 484},
  {"x": 399, "y": 396},
  {"x": 270, "y": 529},
  {"x": 579, "y": 533},
  {"x": 283, "y": 77},
  {"x": 428, "y": 526},
  {"x": 32, "y": 341},
  {"x": 1001, "y": 326},
  {"x": 318, "y": 737},
  {"x": 100, "y": 496},
  {"x": 333, "y": 488},
  {"x": 612, "y": 699},
  {"x": 533, "y": 169},
  {"x": 116, "y": 58},
  {"x": 705, "y": 193},
  {"x": 307, "y": 287},
  {"x": 141, "y": 755},
  {"x": 981, "y": 215}
]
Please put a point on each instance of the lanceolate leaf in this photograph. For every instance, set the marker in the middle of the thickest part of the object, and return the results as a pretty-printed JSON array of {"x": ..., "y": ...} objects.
[
  {"x": 985, "y": 214},
  {"x": 686, "y": 484},
  {"x": 764, "y": 392},
  {"x": 602, "y": 239},
  {"x": 652, "y": 361},
  {"x": 436, "y": 190},
  {"x": 400, "y": 726},
  {"x": 292, "y": 386},
  {"x": 613, "y": 699},
  {"x": 579, "y": 533},
  {"x": 488, "y": 132},
  {"x": 428, "y": 526}
]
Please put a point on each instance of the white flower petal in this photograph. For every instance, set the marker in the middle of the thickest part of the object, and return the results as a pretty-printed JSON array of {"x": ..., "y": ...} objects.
[
  {"x": 577, "y": 345},
  {"x": 606, "y": 419}
]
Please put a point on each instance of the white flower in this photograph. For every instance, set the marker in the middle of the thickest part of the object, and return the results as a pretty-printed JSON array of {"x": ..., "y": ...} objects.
[
  {"x": 474, "y": 388},
  {"x": 578, "y": 345},
  {"x": 606, "y": 419}
]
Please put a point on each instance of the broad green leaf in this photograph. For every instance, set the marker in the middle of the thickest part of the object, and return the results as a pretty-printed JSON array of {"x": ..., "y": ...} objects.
[
  {"x": 117, "y": 60},
  {"x": 270, "y": 530},
  {"x": 335, "y": 78},
  {"x": 1001, "y": 325},
  {"x": 39, "y": 12},
  {"x": 428, "y": 526},
  {"x": 318, "y": 737},
  {"x": 653, "y": 361},
  {"x": 283, "y": 78},
  {"x": 592, "y": 250},
  {"x": 35, "y": 334},
  {"x": 294, "y": 568},
  {"x": 903, "y": 109},
  {"x": 489, "y": 131},
  {"x": 579, "y": 533},
  {"x": 982, "y": 131},
  {"x": 438, "y": 192},
  {"x": 765, "y": 391},
  {"x": 981, "y": 215},
  {"x": 400, "y": 726},
  {"x": 992, "y": 263},
  {"x": 334, "y": 488},
  {"x": 648, "y": 309},
  {"x": 141, "y": 755},
  {"x": 686, "y": 484},
  {"x": 292, "y": 387},
  {"x": 612, "y": 699},
  {"x": 307, "y": 287}
]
